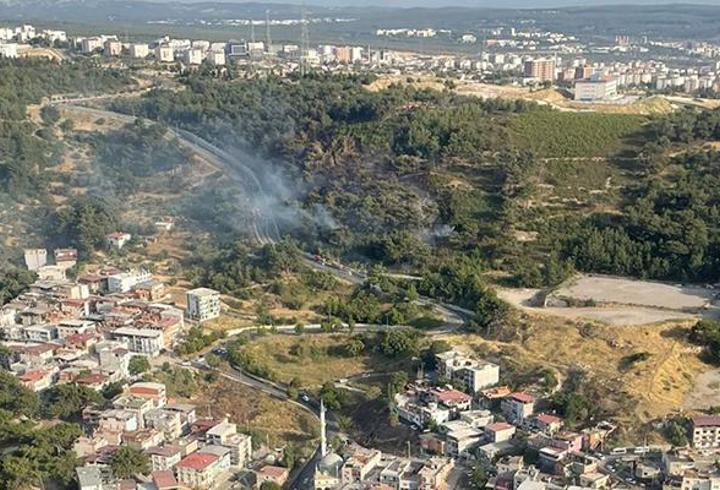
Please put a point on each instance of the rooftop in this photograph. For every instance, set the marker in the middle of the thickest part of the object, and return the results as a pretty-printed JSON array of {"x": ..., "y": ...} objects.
[
  {"x": 275, "y": 472},
  {"x": 164, "y": 479},
  {"x": 197, "y": 461},
  {"x": 203, "y": 292},
  {"x": 706, "y": 421},
  {"x": 548, "y": 419},
  {"x": 522, "y": 397},
  {"x": 498, "y": 426}
]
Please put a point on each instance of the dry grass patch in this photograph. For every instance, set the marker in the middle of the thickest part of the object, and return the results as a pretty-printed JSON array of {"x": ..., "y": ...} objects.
[
  {"x": 653, "y": 386},
  {"x": 279, "y": 421}
]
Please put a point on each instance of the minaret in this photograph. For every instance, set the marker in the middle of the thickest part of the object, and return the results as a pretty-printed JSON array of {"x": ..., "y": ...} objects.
[{"x": 323, "y": 436}]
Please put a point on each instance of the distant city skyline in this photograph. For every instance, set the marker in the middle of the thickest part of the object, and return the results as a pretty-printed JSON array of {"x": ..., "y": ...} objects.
[{"x": 525, "y": 4}]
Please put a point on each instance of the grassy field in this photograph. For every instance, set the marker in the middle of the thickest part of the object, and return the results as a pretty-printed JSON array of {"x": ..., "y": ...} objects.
[
  {"x": 319, "y": 362},
  {"x": 554, "y": 134}
]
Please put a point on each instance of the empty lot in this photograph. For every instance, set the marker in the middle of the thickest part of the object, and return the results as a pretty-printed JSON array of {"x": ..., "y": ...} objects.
[{"x": 605, "y": 289}]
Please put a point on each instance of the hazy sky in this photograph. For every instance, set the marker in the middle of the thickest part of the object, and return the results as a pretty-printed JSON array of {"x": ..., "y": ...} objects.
[{"x": 473, "y": 3}]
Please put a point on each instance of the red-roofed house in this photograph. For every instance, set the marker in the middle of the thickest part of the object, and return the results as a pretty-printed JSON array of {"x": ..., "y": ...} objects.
[
  {"x": 37, "y": 379},
  {"x": 96, "y": 381},
  {"x": 34, "y": 355},
  {"x": 455, "y": 400},
  {"x": 275, "y": 474},
  {"x": 570, "y": 441},
  {"x": 164, "y": 480},
  {"x": 500, "y": 431},
  {"x": 81, "y": 340},
  {"x": 154, "y": 391},
  {"x": 198, "y": 470},
  {"x": 547, "y": 423},
  {"x": 517, "y": 407},
  {"x": 706, "y": 432}
]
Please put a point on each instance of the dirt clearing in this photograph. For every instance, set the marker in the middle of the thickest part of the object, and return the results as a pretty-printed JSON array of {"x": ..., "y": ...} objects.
[{"x": 615, "y": 290}]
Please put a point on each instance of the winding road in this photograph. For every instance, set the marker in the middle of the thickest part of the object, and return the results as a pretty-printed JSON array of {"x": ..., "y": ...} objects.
[{"x": 267, "y": 231}]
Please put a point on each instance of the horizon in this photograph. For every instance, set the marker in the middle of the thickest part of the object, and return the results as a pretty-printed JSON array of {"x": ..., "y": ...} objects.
[{"x": 479, "y": 4}]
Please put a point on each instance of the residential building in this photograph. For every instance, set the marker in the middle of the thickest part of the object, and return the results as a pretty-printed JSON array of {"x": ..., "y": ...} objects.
[
  {"x": 112, "y": 47},
  {"x": 359, "y": 463},
  {"x": 517, "y": 407},
  {"x": 198, "y": 470},
  {"x": 8, "y": 50},
  {"x": 203, "y": 304},
  {"x": 151, "y": 391},
  {"x": 500, "y": 431},
  {"x": 596, "y": 88},
  {"x": 125, "y": 281},
  {"x": 90, "y": 478},
  {"x": 37, "y": 379},
  {"x": 547, "y": 423},
  {"x": 541, "y": 69},
  {"x": 35, "y": 258},
  {"x": 456, "y": 401},
  {"x": 65, "y": 257},
  {"x": 164, "y": 457},
  {"x": 138, "y": 406},
  {"x": 165, "y": 421},
  {"x": 473, "y": 374},
  {"x": 165, "y": 54},
  {"x": 139, "y": 50},
  {"x": 434, "y": 474},
  {"x": 118, "y": 239},
  {"x": 706, "y": 432},
  {"x": 91, "y": 44},
  {"x": 220, "y": 434},
  {"x": 216, "y": 58},
  {"x": 240, "y": 449},
  {"x": 142, "y": 341},
  {"x": 193, "y": 56},
  {"x": 460, "y": 440},
  {"x": 275, "y": 474}
]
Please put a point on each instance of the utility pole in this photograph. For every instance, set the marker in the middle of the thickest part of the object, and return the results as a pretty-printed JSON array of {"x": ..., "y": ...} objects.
[
  {"x": 304, "y": 41},
  {"x": 268, "y": 39}
]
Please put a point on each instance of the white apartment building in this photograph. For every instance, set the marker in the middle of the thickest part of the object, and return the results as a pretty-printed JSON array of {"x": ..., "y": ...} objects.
[
  {"x": 112, "y": 47},
  {"x": 706, "y": 432},
  {"x": 165, "y": 54},
  {"x": 139, "y": 51},
  {"x": 8, "y": 50},
  {"x": 596, "y": 88},
  {"x": 216, "y": 58},
  {"x": 52, "y": 36},
  {"x": 193, "y": 56},
  {"x": 141, "y": 340},
  {"x": 203, "y": 304},
  {"x": 91, "y": 44},
  {"x": 475, "y": 375},
  {"x": 34, "y": 257},
  {"x": 125, "y": 281}
]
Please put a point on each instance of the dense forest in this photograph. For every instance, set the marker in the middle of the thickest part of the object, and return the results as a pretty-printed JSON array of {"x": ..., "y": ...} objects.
[
  {"x": 439, "y": 183},
  {"x": 26, "y": 149}
]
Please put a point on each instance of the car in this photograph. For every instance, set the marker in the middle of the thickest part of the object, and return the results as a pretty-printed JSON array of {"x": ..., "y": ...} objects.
[
  {"x": 304, "y": 397},
  {"x": 186, "y": 364}
]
